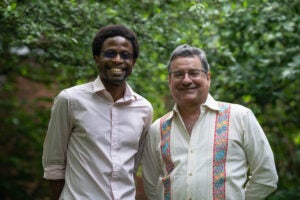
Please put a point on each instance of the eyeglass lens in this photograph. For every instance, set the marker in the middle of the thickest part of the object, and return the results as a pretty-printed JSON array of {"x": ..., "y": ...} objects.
[
  {"x": 193, "y": 73},
  {"x": 112, "y": 54}
]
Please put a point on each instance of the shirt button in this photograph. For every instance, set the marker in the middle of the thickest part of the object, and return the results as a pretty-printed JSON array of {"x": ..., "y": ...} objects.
[
  {"x": 190, "y": 198},
  {"x": 190, "y": 174}
]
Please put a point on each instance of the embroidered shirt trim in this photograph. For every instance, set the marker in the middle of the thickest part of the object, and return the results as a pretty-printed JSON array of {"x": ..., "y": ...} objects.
[
  {"x": 165, "y": 126},
  {"x": 220, "y": 151}
]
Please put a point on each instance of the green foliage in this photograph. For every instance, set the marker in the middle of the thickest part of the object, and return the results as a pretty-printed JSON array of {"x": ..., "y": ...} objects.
[{"x": 252, "y": 47}]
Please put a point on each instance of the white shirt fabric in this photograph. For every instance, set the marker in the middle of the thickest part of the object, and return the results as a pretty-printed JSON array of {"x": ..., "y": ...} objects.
[
  {"x": 192, "y": 156},
  {"x": 94, "y": 143}
]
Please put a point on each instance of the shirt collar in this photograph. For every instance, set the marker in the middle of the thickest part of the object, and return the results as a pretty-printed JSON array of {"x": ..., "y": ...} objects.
[
  {"x": 98, "y": 85},
  {"x": 129, "y": 94},
  {"x": 211, "y": 103}
]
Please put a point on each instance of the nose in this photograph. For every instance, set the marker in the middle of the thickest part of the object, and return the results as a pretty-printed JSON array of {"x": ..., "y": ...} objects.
[
  {"x": 117, "y": 58},
  {"x": 186, "y": 79},
  {"x": 186, "y": 76}
]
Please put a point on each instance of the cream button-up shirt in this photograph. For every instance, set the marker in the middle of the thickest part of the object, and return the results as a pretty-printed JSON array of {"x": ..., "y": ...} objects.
[
  {"x": 192, "y": 157},
  {"x": 94, "y": 143}
]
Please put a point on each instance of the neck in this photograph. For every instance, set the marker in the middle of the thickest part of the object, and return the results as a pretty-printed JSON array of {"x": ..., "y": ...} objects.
[
  {"x": 189, "y": 111},
  {"x": 116, "y": 91},
  {"x": 189, "y": 116}
]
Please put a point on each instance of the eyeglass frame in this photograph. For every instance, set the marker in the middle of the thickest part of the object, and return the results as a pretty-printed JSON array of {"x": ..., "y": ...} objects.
[
  {"x": 110, "y": 53},
  {"x": 181, "y": 73}
]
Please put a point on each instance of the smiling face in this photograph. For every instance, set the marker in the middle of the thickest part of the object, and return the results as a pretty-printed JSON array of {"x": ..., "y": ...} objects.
[
  {"x": 189, "y": 90},
  {"x": 115, "y": 61}
]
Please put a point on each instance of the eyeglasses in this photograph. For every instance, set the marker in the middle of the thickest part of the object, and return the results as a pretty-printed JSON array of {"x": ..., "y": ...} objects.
[
  {"x": 125, "y": 55},
  {"x": 192, "y": 74}
]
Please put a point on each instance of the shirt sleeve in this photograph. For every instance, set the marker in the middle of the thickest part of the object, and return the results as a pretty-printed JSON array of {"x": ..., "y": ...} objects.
[
  {"x": 263, "y": 176},
  {"x": 148, "y": 121},
  {"x": 57, "y": 137},
  {"x": 150, "y": 162}
]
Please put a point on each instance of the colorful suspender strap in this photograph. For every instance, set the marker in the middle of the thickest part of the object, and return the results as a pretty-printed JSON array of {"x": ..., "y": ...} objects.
[
  {"x": 220, "y": 151},
  {"x": 165, "y": 126}
]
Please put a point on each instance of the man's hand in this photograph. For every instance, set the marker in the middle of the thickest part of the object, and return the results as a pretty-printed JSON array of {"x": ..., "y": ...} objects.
[{"x": 56, "y": 188}]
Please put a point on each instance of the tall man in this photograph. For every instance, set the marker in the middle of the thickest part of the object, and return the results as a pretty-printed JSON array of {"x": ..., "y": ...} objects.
[
  {"x": 96, "y": 131},
  {"x": 204, "y": 149}
]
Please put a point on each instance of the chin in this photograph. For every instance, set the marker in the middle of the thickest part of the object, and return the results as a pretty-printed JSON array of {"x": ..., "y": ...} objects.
[
  {"x": 111, "y": 81},
  {"x": 187, "y": 101},
  {"x": 116, "y": 83}
]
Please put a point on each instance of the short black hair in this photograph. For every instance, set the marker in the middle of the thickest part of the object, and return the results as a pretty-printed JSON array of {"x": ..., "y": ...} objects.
[
  {"x": 186, "y": 50},
  {"x": 113, "y": 31}
]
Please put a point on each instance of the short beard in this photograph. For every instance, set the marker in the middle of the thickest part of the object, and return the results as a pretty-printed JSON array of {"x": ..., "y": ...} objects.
[{"x": 113, "y": 82}]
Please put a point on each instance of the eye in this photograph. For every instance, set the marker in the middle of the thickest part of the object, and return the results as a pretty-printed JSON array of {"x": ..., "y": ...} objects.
[
  {"x": 194, "y": 73},
  {"x": 178, "y": 74},
  {"x": 125, "y": 55},
  {"x": 110, "y": 54}
]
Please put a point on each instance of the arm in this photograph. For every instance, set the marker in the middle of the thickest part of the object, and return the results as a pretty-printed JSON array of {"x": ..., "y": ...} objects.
[
  {"x": 147, "y": 124},
  {"x": 150, "y": 163},
  {"x": 55, "y": 144},
  {"x": 56, "y": 188},
  {"x": 263, "y": 176}
]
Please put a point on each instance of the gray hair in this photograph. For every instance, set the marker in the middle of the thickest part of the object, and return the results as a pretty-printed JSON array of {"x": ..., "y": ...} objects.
[{"x": 186, "y": 50}]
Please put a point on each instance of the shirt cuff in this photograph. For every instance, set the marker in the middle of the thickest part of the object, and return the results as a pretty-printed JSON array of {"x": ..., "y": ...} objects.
[{"x": 54, "y": 172}]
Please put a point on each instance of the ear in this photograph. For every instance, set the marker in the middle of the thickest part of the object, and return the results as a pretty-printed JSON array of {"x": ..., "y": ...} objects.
[
  {"x": 169, "y": 79},
  {"x": 96, "y": 59},
  {"x": 208, "y": 77},
  {"x": 133, "y": 62}
]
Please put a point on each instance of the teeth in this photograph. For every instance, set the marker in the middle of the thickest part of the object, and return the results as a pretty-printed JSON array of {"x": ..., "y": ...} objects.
[{"x": 116, "y": 70}]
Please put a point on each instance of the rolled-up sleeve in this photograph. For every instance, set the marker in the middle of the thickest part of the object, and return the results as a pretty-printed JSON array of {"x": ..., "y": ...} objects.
[
  {"x": 57, "y": 137},
  {"x": 263, "y": 176}
]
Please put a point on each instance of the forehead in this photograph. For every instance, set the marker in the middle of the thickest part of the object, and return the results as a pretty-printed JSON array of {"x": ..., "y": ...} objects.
[
  {"x": 186, "y": 63},
  {"x": 117, "y": 42}
]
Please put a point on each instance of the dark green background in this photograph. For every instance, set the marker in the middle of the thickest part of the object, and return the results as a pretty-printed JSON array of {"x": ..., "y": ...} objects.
[{"x": 252, "y": 47}]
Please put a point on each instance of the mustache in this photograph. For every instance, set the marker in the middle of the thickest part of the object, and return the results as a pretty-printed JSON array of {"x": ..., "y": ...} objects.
[{"x": 188, "y": 87}]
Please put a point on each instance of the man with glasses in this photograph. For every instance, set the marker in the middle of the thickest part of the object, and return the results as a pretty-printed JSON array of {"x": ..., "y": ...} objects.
[
  {"x": 205, "y": 149},
  {"x": 96, "y": 132}
]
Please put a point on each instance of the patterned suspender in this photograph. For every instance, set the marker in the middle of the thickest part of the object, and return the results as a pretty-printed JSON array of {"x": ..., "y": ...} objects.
[
  {"x": 219, "y": 154},
  {"x": 220, "y": 151},
  {"x": 165, "y": 127}
]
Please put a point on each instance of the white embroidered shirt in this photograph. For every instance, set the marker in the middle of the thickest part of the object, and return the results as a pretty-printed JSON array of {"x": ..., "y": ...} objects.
[{"x": 192, "y": 157}]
